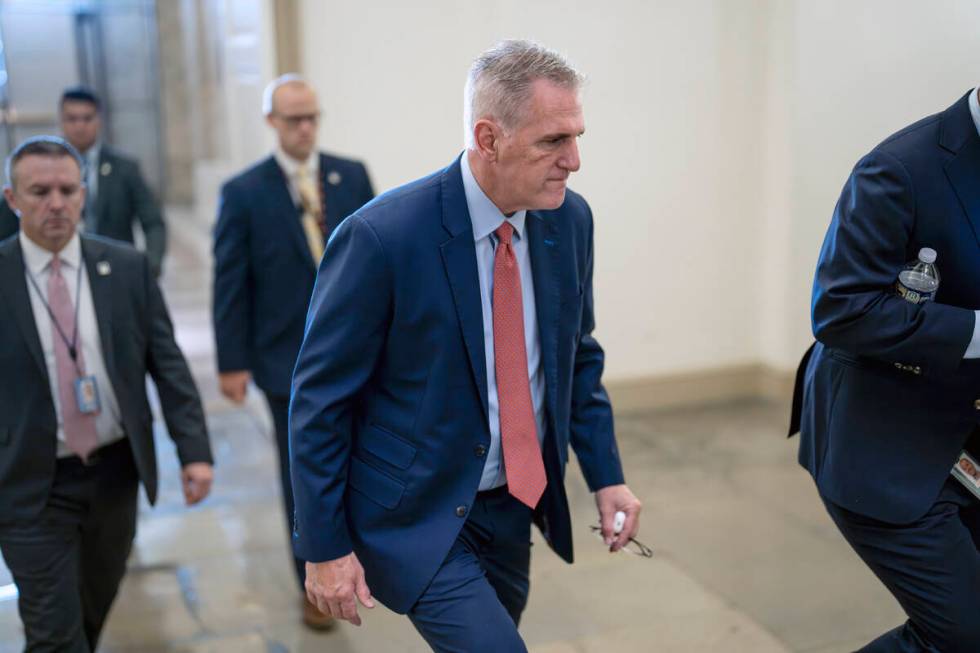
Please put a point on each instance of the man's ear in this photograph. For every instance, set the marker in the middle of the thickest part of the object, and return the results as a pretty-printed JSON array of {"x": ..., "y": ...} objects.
[
  {"x": 8, "y": 194},
  {"x": 486, "y": 136}
]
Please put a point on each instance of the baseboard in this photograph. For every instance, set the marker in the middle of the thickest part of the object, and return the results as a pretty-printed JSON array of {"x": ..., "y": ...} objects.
[{"x": 703, "y": 386}]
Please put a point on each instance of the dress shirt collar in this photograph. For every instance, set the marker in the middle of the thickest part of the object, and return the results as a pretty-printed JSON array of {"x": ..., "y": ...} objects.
[
  {"x": 36, "y": 258},
  {"x": 484, "y": 214},
  {"x": 290, "y": 166},
  {"x": 975, "y": 107}
]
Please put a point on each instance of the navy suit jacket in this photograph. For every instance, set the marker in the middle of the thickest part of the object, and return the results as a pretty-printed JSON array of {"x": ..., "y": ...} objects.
[
  {"x": 888, "y": 401},
  {"x": 388, "y": 419},
  {"x": 263, "y": 268},
  {"x": 137, "y": 339}
]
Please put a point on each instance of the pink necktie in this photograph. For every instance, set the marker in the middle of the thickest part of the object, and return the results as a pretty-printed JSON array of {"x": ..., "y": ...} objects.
[
  {"x": 79, "y": 428},
  {"x": 518, "y": 431}
]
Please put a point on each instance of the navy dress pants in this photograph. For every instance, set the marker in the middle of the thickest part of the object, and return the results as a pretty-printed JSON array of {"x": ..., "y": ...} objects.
[
  {"x": 931, "y": 566},
  {"x": 474, "y": 602},
  {"x": 279, "y": 407}
]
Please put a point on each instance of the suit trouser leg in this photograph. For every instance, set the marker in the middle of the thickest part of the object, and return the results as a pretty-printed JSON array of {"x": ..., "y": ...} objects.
[
  {"x": 279, "y": 406},
  {"x": 65, "y": 585},
  {"x": 931, "y": 566},
  {"x": 475, "y": 600}
]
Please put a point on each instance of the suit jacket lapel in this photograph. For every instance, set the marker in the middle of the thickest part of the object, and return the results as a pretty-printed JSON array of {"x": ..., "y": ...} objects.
[
  {"x": 543, "y": 246},
  {"x": 99, "y": 272},
  {"x": 104, "y": 182},
  {"x": 285, "y": 212},
  {"x": 326, "y": 196},
  {"x": 13, "y": 288},
  {"x": 958, "y": 134},
  {"x": 963, "y": 172},
  {"x": 459, "y": 258}
]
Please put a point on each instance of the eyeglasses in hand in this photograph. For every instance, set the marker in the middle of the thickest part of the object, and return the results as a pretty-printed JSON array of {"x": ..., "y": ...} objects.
[{"x": 634, "y": 547}]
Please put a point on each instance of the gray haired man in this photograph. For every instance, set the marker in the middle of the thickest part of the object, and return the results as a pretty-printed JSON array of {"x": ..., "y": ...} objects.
[{"x": 447, "y": 366}]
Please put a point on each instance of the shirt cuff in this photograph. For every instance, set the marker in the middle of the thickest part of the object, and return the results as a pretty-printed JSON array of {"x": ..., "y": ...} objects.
[{"x": 973, "y": 350}]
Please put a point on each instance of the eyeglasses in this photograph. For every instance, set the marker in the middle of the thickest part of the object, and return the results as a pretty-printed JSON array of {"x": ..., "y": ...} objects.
[
  {"x": 297, "y": 120},
  {"x": 634, "y": 547}
]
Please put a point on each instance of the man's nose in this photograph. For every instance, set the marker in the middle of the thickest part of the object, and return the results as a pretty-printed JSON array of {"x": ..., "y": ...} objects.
[{"x": 570, "y": 159}]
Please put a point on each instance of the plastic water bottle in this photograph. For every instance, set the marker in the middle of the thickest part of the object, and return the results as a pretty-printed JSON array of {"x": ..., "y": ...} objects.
[{"x": 919, "y": 281}]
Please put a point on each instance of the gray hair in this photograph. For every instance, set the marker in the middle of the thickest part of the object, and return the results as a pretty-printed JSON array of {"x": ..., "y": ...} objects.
[
  {"x": 52, "y": 146},
  {"x": 270, "y": 90},
  {"x": 500, "y": 81}
]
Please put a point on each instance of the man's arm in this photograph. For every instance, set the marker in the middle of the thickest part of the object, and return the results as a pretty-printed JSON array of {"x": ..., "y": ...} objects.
[
  {"x": 179, "y": 398},
  {"x": 592, "y": 434},
  {"x": 231, "y": 296},
  {"x": 855, "y": 307},
  {"x": 151, "y": 219},
  {"x": 345, "y": 332}
]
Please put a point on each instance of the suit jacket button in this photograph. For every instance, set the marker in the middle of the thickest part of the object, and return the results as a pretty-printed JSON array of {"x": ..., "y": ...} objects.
[
  {"x": 479, "y": 450},
  {"x": 917, "y": 370},
  {"x": 976, "y": 404},
  {"x": 460, "y": 511}
]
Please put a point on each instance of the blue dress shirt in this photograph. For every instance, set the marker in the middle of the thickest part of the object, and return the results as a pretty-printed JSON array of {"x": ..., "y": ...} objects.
[{"x": 486, "y": 218}]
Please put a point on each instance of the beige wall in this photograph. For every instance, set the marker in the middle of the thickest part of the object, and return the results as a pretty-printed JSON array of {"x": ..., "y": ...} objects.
[{"x": 719, "y": 134}]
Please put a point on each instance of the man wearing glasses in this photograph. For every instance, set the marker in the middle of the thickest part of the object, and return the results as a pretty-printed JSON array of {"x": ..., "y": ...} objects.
[
  {"x": 448, "y": 368},
  {"x": 273, "y": 222}
]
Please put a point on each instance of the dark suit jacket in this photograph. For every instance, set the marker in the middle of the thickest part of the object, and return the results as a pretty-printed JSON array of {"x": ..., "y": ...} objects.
[
  {"x": 263, "y": 269},
  {"x": 136, "y": 337},
  {"x": 887, "y": 399},
  {"x": 121, "y": 198},
  {"x": 388, "y": 419}
]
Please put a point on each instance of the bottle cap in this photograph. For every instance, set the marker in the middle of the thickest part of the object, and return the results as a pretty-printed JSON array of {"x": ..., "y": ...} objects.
[{"x": 927, "y": 255}]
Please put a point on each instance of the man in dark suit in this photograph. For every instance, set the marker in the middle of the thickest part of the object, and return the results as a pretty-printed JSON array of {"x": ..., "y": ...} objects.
[
  {"x": 448, "y": 364},
  {"x": 84, "y": 324},
  {"x": 116, "y": 194},
  {"x": 273, "y": 221},
  {"x": 891, "y": 390}
]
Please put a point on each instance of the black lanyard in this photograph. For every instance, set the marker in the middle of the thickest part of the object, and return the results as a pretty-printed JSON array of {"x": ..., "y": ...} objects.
[{"x": 73, "y": 344}]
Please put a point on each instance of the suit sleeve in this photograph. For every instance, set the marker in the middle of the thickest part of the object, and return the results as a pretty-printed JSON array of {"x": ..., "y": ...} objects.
[
  {"x": 150, "y": 217},
  {"x": 232, "y": 295},
  {"x": 592, "y": 434},
  {"x": 179, "y": 398},
  {"x": 349, "y": 315},
  {"x": 855, "y": 307}
]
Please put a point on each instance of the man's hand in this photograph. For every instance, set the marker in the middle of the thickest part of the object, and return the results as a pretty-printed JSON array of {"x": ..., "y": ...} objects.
[
  {"x": 196, "y": 479},
  {"x": 333, "y": 585},
  {"x": 234, "y": 384},
  {"x": 610, "y": 500}
]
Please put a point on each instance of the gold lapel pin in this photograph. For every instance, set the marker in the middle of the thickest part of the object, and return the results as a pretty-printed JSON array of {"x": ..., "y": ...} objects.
[
  {"x": 105, "y": 169},
  {"x": 103, "y": 268},
  {"x": 333, "y": 178}
]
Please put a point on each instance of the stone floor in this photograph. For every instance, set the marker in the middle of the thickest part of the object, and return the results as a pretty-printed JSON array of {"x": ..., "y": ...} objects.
[{"x": 745, "y": 558}]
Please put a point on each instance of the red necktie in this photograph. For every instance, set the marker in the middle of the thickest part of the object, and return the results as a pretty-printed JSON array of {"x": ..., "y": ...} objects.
[
  {"x": 79, "y": 428},
  {"x": 518, "y": 431}
]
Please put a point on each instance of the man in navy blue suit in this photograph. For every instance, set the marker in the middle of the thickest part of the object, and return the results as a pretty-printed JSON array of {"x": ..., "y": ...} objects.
[
  {"x": 891, "y": 390},
  {"x": 448, "y": 363},
  {"x": 273, "y": 221}
]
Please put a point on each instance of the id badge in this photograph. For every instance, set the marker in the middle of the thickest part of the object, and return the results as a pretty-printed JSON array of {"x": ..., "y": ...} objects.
[{"x": 87, "y": 395}]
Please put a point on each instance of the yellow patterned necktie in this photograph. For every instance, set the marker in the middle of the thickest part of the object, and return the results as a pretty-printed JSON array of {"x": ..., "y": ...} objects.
[{"x": 310, "y": 198}]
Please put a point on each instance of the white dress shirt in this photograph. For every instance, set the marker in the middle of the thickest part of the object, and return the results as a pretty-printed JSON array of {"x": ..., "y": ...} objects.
[
  {"x": 290, "y": 167},
  {"x": 486, "y": 217},
  {"x": 108, "y": 424}
]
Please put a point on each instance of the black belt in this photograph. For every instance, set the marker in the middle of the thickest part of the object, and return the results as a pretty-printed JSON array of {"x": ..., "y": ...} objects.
[
  {"x": 493, "y": 493},
  {"x": 97, "y": 457}
]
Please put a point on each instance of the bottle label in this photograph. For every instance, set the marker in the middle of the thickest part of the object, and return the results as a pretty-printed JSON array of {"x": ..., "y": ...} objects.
[{"x": 913, "y": 296}]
